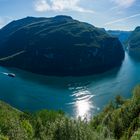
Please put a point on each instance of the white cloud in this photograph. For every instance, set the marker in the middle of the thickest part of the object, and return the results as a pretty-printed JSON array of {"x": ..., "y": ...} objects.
[
  {"x": 2, "y": 22},
  {"x": 59, "y": 5},
  {"x": 124, "y": 3},
  {"x": 122, "y": 19},
  {"x": 42, "y": 5}
]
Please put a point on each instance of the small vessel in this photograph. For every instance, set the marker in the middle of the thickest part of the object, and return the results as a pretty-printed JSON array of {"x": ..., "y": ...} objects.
[{"x": 11, "y": 75}]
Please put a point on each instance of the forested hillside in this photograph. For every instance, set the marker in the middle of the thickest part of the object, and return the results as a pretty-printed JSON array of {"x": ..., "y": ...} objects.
[{"x": 120, "y": 120}]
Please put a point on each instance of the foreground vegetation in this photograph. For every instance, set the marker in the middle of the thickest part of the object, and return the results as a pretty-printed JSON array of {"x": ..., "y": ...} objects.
[{"x": 120, "y": 120}]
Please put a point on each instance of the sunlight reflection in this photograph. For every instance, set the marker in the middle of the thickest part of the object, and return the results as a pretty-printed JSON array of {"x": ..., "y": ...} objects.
[
  {"x": 83, "y": 104},
  {"x": 83, "y": 109}
]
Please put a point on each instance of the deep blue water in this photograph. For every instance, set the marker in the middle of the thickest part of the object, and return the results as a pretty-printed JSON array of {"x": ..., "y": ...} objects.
[{"x": 81, "y": 96}]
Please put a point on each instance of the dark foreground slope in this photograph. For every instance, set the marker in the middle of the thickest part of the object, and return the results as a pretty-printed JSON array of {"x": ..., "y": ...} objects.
[
  {"x": 58, "y": 46},
  {"x": 120, "y": 120}
]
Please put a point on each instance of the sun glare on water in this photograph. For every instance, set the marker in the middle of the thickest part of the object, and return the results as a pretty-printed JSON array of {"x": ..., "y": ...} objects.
[{"x": 83, "y": 103}]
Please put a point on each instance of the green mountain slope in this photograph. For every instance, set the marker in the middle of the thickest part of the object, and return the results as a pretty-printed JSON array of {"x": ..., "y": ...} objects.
[
  {"x": 58, "y": 46},
  {"x": 134, "y": 39}
]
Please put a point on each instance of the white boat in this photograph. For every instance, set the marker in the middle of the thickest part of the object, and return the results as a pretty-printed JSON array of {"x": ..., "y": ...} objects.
[{"x": 9, "y": 74}]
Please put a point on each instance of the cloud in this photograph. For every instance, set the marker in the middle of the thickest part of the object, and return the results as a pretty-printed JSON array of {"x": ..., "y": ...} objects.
[
  {"x": 42, "y": 5},
  {"x": 124, "y": 3},
  {"x": 2, "y": 22},
  {"x": 122, "y": 19},
  {"x": 59, "y": 5}
]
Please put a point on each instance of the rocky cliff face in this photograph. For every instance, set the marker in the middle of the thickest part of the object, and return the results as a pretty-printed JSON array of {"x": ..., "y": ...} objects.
[{"x": 58, "y": 46}]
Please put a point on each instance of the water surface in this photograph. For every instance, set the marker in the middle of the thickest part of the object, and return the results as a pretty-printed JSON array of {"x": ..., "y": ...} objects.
[{"x": 80, "y": 96}]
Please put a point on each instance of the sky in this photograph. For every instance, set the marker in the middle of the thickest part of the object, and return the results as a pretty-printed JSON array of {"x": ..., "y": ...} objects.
[{"x": 108, "y": 14}]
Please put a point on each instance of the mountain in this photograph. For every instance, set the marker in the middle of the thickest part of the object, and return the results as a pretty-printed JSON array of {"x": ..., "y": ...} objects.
[
  {"x": 122, "y": 35},
  {"x": 134, "y": 39},
  {"x": 58, "y": 46},
  {"x": 133, "y": 44}
]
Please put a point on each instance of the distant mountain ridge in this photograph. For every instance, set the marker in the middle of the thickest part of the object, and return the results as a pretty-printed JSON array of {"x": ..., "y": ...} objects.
[
  {"x": 58, "y": 46},
  {"x": 122, "y": 35}
]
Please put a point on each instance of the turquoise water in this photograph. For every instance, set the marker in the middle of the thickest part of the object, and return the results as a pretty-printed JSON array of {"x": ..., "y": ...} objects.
[{"x": 81, "y": 96}]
